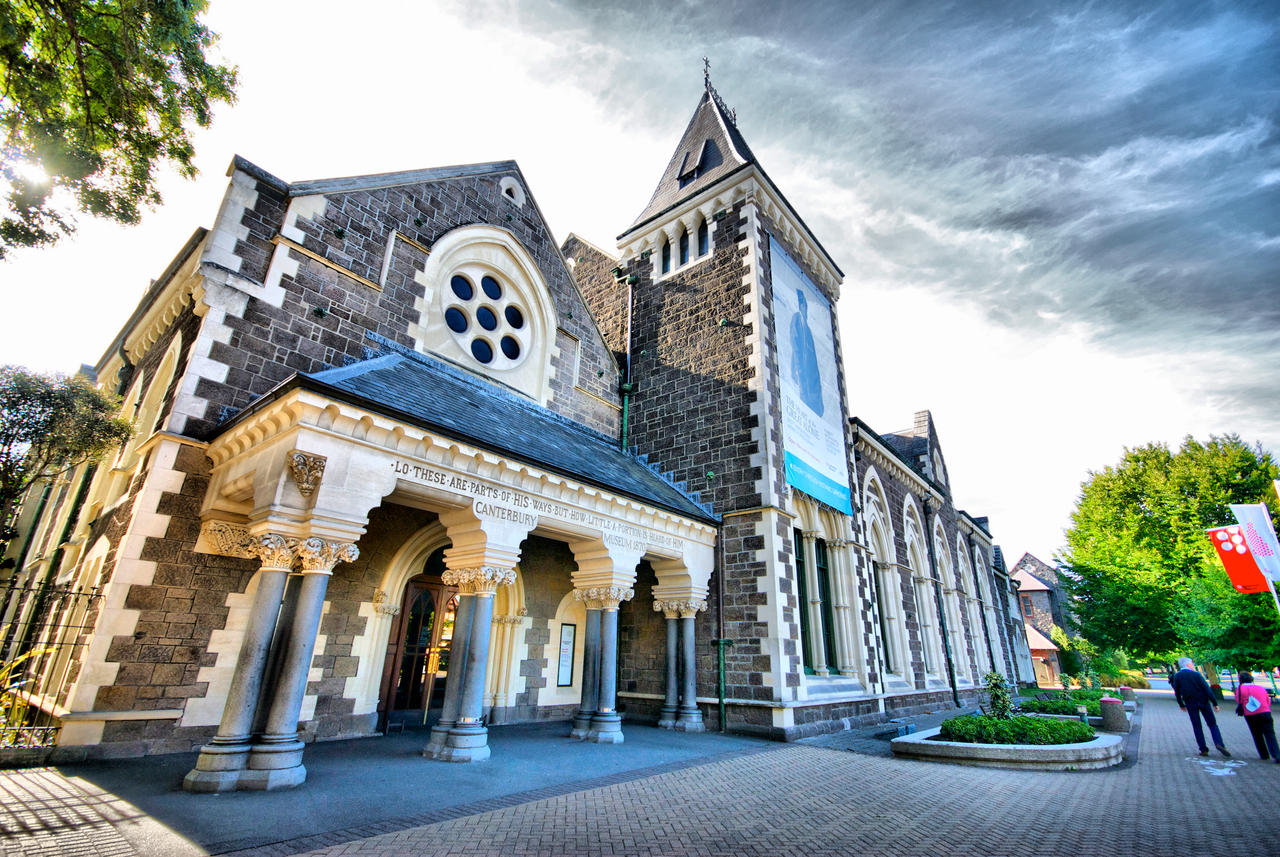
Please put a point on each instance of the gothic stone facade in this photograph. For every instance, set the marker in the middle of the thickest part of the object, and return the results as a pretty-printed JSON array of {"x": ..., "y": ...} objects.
[{"x": 399, "y": 453}]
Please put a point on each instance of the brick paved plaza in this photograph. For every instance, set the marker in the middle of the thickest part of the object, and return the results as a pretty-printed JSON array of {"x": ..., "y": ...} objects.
[{"x": 766, "y": 799}]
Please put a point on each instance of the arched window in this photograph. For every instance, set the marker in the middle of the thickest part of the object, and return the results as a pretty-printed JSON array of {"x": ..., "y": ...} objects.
[
  {"x": 823, "y": 573},
  {"x": 666, "y": 255},
  {"x": 704, "y": 239},
  {"x": 802, "y": 593},
  {"x": 684, "y": 246}
]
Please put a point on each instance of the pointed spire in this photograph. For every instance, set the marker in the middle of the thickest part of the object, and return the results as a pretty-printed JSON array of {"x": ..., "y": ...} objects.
[{"x": 710, "y": 148}]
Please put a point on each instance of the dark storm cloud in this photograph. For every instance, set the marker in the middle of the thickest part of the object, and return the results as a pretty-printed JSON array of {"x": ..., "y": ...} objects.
[{"x": 1112, "y": 165}]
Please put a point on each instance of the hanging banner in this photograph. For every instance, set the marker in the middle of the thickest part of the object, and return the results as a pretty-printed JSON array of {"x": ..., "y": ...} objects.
[
  {"x": 1255, "y": 525},
  {"x": 1233, "y": 550},
  {"x": 813, "y": 420}
]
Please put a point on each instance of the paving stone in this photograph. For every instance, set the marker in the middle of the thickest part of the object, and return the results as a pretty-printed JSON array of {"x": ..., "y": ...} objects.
[{"x": 796, "y": 799}]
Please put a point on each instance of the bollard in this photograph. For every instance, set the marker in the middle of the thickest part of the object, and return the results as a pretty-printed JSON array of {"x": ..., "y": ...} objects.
[
  {"x": 1113, "y": 717},
  {"x": 1127, "y": 694}
]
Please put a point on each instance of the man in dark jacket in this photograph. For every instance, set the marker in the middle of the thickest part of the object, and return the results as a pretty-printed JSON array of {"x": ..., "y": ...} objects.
[{"x": 1195, "y": 697}]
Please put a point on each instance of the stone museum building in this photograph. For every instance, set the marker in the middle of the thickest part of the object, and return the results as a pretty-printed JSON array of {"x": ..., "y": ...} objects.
[{"x": 404, "y": 460}]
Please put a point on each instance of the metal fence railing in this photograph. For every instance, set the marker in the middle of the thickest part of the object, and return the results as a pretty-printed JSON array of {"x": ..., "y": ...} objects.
[{"x": 43, "y": 631}]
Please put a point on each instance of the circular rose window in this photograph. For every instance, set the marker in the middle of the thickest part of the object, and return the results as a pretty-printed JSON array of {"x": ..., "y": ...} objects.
[{"x": 486, "y": 318}]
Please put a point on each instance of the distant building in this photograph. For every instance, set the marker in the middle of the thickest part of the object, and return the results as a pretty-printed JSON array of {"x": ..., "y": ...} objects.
[
  {"x": 402, "y": 458},
  {"x": 1044, "y": 606}
]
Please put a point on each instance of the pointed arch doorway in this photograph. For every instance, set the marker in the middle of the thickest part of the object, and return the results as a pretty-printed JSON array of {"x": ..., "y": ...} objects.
[{"x": 416, "y": 668}]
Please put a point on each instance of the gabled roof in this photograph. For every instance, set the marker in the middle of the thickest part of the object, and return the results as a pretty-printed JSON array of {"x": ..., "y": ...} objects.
[
  {"x": 1029, "y": 583},
  {"x": 1037, "y": 641},
  {"x": 347, "y": 184},
  {"x": 1046, "y": 574},
  {"x": 431, "y": 394},
  {"x": 710, "y": 149}
]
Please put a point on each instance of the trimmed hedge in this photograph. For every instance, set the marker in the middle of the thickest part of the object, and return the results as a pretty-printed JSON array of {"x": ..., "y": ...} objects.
[
  {"x": 1063, "y": 706},
  {"x": 980, "y": 729}
]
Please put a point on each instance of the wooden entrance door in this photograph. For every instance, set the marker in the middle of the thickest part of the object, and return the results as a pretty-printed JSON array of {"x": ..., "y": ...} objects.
[{"x": 416, "y": 668}]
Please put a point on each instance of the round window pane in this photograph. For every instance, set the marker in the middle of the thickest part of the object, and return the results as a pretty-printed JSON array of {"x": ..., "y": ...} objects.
[
  {"x": 487, "y": 319},
  {"x": 456, "y": 319},
  {"x": 462, "y": 287},
  {"x": 491, "y": 287},
  {"x": 482, "y": 351},
  {"x": 510, "y": 347},
  {"x": 514, "y": 317}
]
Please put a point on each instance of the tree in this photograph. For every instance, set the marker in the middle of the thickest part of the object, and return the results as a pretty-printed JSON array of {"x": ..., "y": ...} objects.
[
  {"x": 48, "y": 423},
  {"x": 1144, "y": 575},
  {"x": 95, "y": 95}
]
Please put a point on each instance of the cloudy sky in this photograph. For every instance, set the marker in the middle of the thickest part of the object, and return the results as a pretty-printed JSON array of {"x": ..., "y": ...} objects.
[{"x": 1059, "y": 224}]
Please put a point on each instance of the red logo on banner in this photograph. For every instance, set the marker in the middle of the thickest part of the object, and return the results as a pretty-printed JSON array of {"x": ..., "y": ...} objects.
[{"x": 1237, "y": 559}]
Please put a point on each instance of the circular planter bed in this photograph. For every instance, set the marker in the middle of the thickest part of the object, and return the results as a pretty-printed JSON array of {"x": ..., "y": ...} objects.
[{"x": 1102, "y": 752}]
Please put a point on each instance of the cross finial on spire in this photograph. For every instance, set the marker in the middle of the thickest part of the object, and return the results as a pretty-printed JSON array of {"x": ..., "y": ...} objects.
[{"x": 706, "y": 72}]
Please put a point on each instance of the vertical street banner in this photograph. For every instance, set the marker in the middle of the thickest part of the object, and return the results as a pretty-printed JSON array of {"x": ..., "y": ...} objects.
[
  {"x": 1233, "y": 550},
  {"x": 812, "y": 417},
  {"x": 1255, "y": 527}
]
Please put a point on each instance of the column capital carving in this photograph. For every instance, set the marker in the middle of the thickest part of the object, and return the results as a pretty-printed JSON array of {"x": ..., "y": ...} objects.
[
  {"x": 683, "y": 609},
  {"x": 604, "y": 597},
  {"x": 483, "y": 580},
  {"x": 273, "y": 550},
  {"x": 810, "y": 535},
  {"x": 319, "y": 556},
  {"x": 307, "y": 470}
]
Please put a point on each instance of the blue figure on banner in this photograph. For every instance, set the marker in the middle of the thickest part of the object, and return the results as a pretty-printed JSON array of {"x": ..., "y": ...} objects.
[{"x": 804, "y": 357}]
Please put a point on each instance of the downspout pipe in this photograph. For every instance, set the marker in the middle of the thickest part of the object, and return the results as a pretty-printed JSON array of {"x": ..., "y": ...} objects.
[
  {"x": 942, "y": 613},
  {"x": 627, "y": 388},
  {"x": 720, "y": 641}
]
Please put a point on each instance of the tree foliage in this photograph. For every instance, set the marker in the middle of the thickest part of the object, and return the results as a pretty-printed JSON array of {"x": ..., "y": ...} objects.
[
  {"x": 1145, "y": 577},
  {"x": 97, "y": 95},
  {"x": 48, "y": 423}
]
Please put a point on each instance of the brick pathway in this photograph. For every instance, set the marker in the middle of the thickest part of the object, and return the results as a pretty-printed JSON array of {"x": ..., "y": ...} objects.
[{"x": 803, "y": 800}]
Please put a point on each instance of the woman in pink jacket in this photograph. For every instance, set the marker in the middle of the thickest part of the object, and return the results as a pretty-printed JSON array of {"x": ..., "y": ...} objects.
[{"x": 1253, "y": 703}]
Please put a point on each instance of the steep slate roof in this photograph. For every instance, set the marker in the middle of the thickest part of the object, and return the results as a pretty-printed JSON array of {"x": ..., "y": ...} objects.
[
  {"x": 430, "y": 394},
  {"x": 714, "y": 128}
]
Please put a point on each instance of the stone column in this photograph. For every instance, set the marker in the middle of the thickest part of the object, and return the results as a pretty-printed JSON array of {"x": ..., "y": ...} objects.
[
  {"x": 275, "y": 762},
  {"x": 590, "y": 667},
  {"x": 689, "y": 718},
  {"x": 468, "y": 740},
  {"x": 458, "y": 647},
  {"x": 606, "y": 723},
  {"x": 670, "y": 706},
  {"x": 221, "y": 760}
]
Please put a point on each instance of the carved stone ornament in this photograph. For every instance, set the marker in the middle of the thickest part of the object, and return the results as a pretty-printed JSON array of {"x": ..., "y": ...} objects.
[
  {"x": 484, "y": 580},
  {"x": 307, "y": 470},
  {"x": 274, "y": 551},
  {"x": 320, "y": 556},
  {"x": 381, "y": 607},
  {"x": 604, "y": 597},
  {"x": 684, "y": 609},
  {"x": 226, "y": 538}
]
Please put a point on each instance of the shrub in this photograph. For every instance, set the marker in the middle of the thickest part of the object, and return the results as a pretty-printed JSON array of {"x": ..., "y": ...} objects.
[
  {"x": 1019, "y": 730},
  {"x": 998, "y": 692},
  {"x": 1062, "y": 706},
  {"x": 1134, "y": 679}
]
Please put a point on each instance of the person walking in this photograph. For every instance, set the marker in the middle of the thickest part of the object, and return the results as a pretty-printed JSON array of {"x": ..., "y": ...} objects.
[
  {"x": 1254, "y": 705},
  {"x": 1195, "y": 698}
]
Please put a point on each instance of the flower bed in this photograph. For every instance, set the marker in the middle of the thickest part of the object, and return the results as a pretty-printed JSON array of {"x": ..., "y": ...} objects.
[
  {"x": 1063, "y": 706},
  {"x": 1102, "y": 752},
  {"x": 1018, "y": 730}
]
